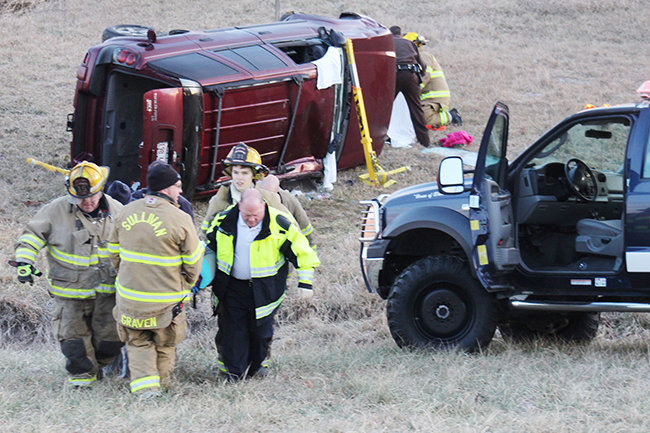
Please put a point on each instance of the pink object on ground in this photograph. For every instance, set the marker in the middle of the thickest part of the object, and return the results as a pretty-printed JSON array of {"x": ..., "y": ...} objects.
[{"x": 454, "y": 138}]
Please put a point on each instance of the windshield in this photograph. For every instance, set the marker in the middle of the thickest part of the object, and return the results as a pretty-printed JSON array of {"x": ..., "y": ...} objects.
[{"x": 601, "y": 143}]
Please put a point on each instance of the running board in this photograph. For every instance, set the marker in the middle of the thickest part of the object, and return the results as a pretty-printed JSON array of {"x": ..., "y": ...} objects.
[{"x": 624, "y": 307}]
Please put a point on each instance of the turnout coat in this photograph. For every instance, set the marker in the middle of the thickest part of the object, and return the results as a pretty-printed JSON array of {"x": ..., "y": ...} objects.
[{"x": 76, "y": 245}]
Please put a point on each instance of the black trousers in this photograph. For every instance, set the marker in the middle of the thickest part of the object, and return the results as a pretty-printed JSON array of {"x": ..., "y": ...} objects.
[
  {"x": 407, "y": 82},
  {"x": 245, "y": 340}
]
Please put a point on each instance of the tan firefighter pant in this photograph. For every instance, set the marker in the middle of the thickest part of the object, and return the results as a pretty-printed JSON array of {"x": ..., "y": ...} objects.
[
  {"x": 88, "y": 336},
  {"x": 152, "y": 353},
  {"x": 432, "y": 113}
]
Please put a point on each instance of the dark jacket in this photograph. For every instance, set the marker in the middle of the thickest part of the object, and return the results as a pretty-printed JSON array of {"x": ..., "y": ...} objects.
[{"x": 278, "y": 243}]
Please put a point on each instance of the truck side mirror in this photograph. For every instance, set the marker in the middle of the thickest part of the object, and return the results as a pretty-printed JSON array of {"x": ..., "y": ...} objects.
[{"x": 451, "y": 179}]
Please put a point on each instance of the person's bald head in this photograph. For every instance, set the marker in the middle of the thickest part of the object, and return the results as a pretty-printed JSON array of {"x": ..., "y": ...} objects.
[
  {"x": 270, "y": 183},
  {"x": 252, "y": 207}
]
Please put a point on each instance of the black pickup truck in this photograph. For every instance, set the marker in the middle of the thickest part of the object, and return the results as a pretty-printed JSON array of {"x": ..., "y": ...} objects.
[{"x": 537, "y": 247}]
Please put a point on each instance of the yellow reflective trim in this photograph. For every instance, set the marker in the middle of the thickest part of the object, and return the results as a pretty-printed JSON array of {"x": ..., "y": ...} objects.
[
  {"x": 32, "y": 240},
  {"x": 307, "y": 230},
  {"x": 67, "y": 292},
  {"x": 205, "y": 225},
  {"x": 190, "y": 260},
  {"x": 436, "y": 94},
  {"x": 482, "y": 255},
  {"x": 164, "y": 297},
  {"x": 82, "y": 382},
  {"x": 113, "y": 247},
  {"x": 261, "y": 312},
  {"x": 267, "y": 271},
  {"x": 25, "y": 253},
  {"x": 72, "y": 259},
  {"x": 149, "y": 259},
  {"x": 474, "y": 224},
  {"x": 106, "y": 288},
  {"x": 145, "y": 382}
]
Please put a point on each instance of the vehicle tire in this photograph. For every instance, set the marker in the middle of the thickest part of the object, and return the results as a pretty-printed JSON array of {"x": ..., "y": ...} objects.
[
  {"x": 582, "y": 328},
  {"x": 436, "y": 303},
  {"x": 125, "y": 30},
  {"x": 570, "y": 328}
]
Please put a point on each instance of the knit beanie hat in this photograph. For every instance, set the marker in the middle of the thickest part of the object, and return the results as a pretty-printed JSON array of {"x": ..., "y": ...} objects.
[
  {"x": 160, "y": 176},
  {"x": 120, "y": 192}
]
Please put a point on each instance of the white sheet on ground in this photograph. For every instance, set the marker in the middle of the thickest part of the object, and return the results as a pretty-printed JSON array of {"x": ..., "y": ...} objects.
[{"x": 400, "y": 129}]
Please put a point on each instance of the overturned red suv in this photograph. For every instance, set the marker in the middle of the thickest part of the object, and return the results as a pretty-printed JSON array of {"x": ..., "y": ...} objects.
[{"x": 188, "y": 97}]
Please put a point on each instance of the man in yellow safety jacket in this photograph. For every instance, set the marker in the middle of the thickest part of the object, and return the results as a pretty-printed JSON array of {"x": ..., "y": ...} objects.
[
  {"x": 157, "y": 254},
  {"x": 74, "y": 230},
  {"x": 435, "y": 95},
  {"x": 253, "y": 243}
]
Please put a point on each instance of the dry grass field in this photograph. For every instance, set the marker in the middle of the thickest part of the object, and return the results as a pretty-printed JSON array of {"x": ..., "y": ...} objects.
[{"x": 335, "y": 367}]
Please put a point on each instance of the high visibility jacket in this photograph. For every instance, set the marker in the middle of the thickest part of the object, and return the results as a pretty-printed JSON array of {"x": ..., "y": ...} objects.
[
  {"x": 76, "y": 245},
  {"x": 434, "y": 84},
  {"x": 223, "y": 199},
  {"x": 278, "y": 243},
  {"x": 157, "y": 254}
]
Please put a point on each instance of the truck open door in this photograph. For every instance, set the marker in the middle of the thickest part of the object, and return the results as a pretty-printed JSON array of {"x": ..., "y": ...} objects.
[{"x": 492, "y": 220}]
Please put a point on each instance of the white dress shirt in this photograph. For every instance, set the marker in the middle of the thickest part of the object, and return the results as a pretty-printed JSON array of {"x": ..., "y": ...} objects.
[{"x": 241, "y": 265}]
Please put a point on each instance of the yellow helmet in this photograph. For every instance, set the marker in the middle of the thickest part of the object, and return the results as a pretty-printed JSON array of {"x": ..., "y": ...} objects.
[
  {"x": 416, "y": 38},
  {"x": 86, "y": 179},
  {"x": 244, "y": 155}
]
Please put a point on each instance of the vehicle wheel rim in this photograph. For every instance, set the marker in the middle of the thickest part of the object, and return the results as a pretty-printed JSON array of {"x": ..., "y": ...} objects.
[{"x": 442, "y": 313}]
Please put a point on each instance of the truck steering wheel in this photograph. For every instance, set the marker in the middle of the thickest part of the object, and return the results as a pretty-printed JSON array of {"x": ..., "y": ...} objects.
[{"x": 581, "y": 180}]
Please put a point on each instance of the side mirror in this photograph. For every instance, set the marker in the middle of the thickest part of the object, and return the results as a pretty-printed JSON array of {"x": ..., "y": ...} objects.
[{"x": 451, "y": 179}]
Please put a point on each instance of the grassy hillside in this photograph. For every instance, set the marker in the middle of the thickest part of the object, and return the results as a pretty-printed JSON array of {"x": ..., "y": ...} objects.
[{"x": 335, "y": 367}]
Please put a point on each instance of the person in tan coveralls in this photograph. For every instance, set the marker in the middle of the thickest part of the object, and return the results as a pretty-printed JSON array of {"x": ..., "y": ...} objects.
[
  {"x": 435, "y": 96},
  {"x": 272, "y": 183},
  {"x": 74, "y": 231},
  {"x": 158, "y": 256},
  {"x": 244, "y": 165}
]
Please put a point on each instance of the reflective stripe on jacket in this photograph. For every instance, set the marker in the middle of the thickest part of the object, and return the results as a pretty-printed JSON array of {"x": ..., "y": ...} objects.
[
  {"x": 434, "y": 85},
  {"x": 157, "y": 254},
  {"x": 278, "y": 242},
  {"x": 76, "y": 244}
]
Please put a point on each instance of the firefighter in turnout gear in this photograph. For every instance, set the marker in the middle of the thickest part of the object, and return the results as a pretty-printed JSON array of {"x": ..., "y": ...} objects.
[
  {"x": 74, "y": 231},
  {"x": 244, "y": 165},
  {"x": 253, "y": 243},
  {"x": 157, "y": 254},
  {"x": 435, "y": 95},
  {"x": 272, "y": 183}
]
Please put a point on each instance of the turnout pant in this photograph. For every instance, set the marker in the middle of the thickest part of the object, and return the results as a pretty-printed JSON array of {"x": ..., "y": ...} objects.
[
  {"x": 88, "y": 336},
  {"x": 435, "y": 114},
  {"x": 244, "y": 339},
  {"x": 152, "y": 353}
]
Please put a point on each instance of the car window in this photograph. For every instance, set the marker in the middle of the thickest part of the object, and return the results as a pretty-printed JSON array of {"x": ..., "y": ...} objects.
[
  {"x": 496, "y": 149},
  {"x": 599, "y": 143},
  {"x": 255, "y": 58},
  {"x": 193, "y": 66}
]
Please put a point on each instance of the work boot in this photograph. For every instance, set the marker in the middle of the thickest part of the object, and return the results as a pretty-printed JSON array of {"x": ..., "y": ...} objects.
[
  {"x": 455, "y": 117},
  {"x": 149, "y": 395}
]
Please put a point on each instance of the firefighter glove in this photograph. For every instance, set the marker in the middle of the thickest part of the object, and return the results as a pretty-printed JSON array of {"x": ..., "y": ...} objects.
[
  {"x": 25, "y": 271},
  {"x": 306, "y": 293}
]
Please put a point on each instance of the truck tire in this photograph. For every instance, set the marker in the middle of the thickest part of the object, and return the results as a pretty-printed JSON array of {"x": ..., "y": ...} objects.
[
  {"x": 570, "y": 328},
  {"x": 124, "y": 30},
  {"x": 435, "y": 303}
]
